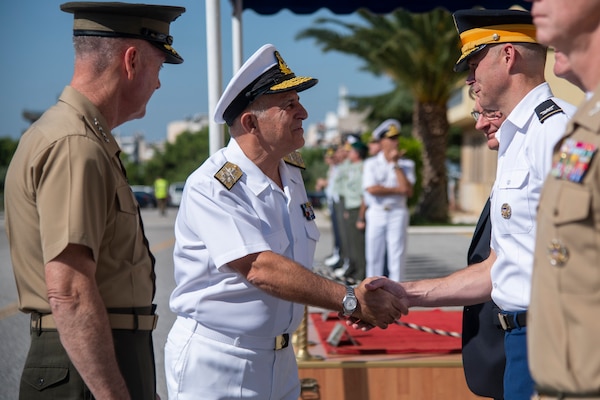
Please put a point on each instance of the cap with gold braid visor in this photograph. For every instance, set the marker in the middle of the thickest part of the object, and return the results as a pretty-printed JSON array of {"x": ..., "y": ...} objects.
[{"x": 479, "y": 28}]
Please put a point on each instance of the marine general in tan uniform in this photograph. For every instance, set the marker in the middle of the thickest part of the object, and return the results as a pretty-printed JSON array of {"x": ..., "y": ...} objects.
[
  {"x": 81, "y": 261},
  {"x": 565, "y": 300}
]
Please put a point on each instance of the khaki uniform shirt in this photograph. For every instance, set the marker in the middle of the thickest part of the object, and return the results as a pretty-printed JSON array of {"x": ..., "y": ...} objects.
[
  {"x": 65, "y": 185},
  {"x": 563, "y": 319}
]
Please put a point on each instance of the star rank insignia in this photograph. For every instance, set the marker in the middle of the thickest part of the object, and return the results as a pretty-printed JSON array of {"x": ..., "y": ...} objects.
[
  {"x": 295, "y": 159},
  {"x": 229, "y": 174}
]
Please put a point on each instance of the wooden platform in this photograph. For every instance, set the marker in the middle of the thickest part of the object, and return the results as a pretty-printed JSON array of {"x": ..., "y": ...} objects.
[{"x": 383, "y": 377}]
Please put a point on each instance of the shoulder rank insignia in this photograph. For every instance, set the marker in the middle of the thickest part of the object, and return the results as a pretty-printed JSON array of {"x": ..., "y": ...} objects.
[
  {"x": 546, "y": 110},
  {"x": 229, "y": 174},
  {"x": 295, "y": 159}
]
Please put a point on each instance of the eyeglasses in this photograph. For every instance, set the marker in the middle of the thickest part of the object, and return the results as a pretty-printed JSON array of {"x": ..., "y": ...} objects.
[{"x": 487, "y": 114}]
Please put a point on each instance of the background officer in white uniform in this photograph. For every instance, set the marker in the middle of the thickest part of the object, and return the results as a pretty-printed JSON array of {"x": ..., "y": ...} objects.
[
  {"x": 245, "y": 241},
  {"x": 388, "y": 180}
]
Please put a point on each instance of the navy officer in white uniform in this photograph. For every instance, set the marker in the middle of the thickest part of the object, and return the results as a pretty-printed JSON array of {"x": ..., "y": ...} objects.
[
  {"x": 245, "y": 241},
  {"x": 388, "y": 181}
]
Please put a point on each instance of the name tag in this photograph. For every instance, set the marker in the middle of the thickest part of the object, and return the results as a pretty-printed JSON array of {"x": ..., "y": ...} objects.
[{"x": 575, "y": 158}]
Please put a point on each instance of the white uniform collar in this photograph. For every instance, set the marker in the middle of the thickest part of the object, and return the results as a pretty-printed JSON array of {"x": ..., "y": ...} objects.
[
  {"x": 521, "y": 115},
  {"x": 255, "y": 179}
]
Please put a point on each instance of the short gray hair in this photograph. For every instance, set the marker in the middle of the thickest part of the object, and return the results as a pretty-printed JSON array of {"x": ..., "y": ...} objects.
[{"x": 101, "y": 50}]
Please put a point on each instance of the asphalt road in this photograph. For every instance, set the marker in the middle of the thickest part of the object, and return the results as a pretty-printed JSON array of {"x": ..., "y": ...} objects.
[{"x": 432, "y": 252}]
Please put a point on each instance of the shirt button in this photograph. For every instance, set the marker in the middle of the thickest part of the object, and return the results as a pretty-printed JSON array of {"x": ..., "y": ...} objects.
[{"x": 40, "y": 381}]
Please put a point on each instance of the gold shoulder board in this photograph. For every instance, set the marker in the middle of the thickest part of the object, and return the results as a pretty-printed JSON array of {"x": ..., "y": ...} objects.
[
  {"x": 229, "y": 174},
  {"x": 295, "y": 159}
]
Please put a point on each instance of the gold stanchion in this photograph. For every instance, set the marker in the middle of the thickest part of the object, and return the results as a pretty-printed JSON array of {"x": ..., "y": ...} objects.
[{"x": 301, "y": 341}]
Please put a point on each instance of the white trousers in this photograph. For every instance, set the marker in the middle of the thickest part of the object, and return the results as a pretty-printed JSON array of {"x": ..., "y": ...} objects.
[
  {"x": 385, "y": 235},
  {"x": 198, "y": 367}
]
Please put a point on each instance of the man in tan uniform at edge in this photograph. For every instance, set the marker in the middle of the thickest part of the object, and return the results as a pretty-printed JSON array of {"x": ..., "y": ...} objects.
[
  {"x": 565, "y": 299},
  {"x": 81, "y": 261}
]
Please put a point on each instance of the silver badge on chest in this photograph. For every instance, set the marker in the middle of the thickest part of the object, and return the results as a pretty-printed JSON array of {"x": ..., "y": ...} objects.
[{"x": 506, "y": 211}]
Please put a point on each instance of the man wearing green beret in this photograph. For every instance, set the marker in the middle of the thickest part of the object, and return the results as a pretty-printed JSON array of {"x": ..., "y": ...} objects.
[{"x": 81, "y": 261}]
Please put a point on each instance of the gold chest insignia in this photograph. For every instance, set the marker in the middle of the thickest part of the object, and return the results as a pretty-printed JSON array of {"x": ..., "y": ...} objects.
[
  {"x": 229, "y": 174},
  {"x": 557, "y": 253},
  {"x": 295, "y": 159}
]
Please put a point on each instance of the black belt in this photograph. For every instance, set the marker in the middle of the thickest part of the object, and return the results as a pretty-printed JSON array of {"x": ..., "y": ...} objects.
[{"x": 511, "y": 321}]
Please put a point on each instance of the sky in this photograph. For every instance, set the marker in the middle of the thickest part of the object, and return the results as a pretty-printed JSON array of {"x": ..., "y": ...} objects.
[{"x": 37, "y": 63}]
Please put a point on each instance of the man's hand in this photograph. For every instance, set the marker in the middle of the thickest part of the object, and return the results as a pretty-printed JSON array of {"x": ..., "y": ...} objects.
[{"x": 379, "y": 307}]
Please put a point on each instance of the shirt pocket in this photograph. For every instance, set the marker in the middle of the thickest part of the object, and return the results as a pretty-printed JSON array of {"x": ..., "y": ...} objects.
[
  {"x": 312, "y": 232},
  {"x": 124, "y": 245},
  {"x": 513, "y": 203},
  {"x": 575, "y": 233},
  {"x": 572, "y": 205}
]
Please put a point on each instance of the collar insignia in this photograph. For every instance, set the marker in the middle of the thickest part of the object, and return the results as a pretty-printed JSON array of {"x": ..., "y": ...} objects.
[{"x": 295, "y": 159}]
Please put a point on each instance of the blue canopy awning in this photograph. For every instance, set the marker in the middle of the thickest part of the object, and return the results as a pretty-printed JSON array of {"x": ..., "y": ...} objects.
[{"x": 267, "y": 7}]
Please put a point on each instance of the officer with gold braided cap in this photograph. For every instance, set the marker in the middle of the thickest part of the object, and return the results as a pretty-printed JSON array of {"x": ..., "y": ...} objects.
[
  {"x": 506, "y": 72},
  {"x": 480, "y": 28},
  {"x": 245, "y": 239}
]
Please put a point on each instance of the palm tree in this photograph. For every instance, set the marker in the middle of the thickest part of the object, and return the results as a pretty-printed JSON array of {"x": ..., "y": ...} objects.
[{"x": 416, "y": 51}]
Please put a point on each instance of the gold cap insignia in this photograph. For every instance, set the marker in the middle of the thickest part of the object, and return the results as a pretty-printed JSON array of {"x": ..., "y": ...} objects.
[
  {"x": 282, "y": 65},
  {"x": 557, "y": 253}
]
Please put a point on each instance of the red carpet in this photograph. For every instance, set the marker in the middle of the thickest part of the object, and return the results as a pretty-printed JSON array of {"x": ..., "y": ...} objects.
[{"x": 395, "y": 339}]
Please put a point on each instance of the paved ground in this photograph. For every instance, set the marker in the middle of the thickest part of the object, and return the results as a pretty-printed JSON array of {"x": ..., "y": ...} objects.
[{"x": 432, "y": 252}]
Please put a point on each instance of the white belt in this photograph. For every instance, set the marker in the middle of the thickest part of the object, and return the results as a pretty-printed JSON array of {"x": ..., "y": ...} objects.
[{"x": 248, "y": 342}]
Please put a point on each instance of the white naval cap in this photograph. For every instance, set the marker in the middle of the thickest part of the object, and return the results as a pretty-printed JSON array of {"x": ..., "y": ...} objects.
[
  {"x": 387, "y": 129},
  {"x": 263, "y": 73}
]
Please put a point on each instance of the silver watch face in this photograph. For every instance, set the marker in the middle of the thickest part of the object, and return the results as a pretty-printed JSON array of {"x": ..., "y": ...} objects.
[{"x": 350, "y": 303}]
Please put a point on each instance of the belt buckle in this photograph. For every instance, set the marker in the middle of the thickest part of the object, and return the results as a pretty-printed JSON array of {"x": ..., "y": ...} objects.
[
  {"x": 282, "y": 341},
  {"x": 504, "y": 321}
]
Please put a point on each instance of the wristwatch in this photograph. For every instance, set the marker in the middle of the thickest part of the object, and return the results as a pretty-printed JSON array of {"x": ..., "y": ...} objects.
[{"x": 349, "y": 303}]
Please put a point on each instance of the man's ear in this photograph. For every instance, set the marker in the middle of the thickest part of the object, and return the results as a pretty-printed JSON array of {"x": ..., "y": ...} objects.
[
  {"x": 248, "y": 121},
  {"x": 509, "y": 54},
  {"x": 131, "y": 58}
]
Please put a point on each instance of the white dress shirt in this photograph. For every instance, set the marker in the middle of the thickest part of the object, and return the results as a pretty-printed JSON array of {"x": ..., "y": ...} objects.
[
  {"x": 215, "y": 226},
  {"x": 524, "y": 160},
  {"x": 378, "y": 171}
]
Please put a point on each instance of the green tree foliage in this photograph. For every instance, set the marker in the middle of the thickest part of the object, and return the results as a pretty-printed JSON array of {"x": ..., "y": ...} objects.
[
  {"x": 418, "y": 52},
  {"x": 315, "y": 166},
  {"x": 397, "y": 104},
  {"x": 7, "y": 149},
  {"x": 175, "y": 162}
]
